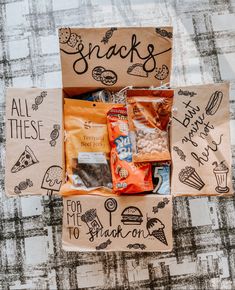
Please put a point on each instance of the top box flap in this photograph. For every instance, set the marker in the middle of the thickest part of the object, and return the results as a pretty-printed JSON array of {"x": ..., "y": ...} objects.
[{"x": 115, "y": 57}]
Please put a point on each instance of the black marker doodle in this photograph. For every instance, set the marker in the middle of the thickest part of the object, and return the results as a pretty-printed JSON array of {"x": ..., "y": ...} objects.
[
  {"x": 110, "y": 205},
  {"x": 136, "y": 246},
  {"x": 103, "y": 245},
  {"x": 92, "y": 220},
  {"x": 214, "y": 103},
  {"x": 221, "y": 175},
  {"x": 26, "y": 159},
  {"x": 189, "y": 176},
  {"x": 162, "y": 73},
  {"x": 156, "y": 229},
  {"x": 52, "y": 179},
  {"x": 180, "y": 153},
  {"x": 38, "y": 100},
  {"x": 163, "y": 32},
  {"x": 54, "y": 134},
  {"x": 132, "y": 216},
  {"x": 161, "y": 204},
  {"x": 72, "y": 39},
  {"x": 108, "y": 35},
  {"x": 106, "y": 77},
  {"x": 137, "y": 69},
  {"x": 186, "y": 93},
  {"x": 23, "y": 185}
]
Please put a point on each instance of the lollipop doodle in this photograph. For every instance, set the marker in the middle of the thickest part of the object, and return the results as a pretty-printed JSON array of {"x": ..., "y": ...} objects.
[{"x": 110, "y": 205}]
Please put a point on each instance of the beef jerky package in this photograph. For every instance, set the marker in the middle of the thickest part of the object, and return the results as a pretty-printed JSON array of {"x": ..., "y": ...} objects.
[
  {"x": 87, "y": 148},
  {"x": 128, "y": 177},
  {"x": 149, "y": 113}
]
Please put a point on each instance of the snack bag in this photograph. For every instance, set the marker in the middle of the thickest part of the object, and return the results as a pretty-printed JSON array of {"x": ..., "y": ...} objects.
[
  {"x": 128, "y": 177},
  {"x": 161, "y": 178},
  {"x": 87, "y": 146},
  {"x": 149, "y": 113}
]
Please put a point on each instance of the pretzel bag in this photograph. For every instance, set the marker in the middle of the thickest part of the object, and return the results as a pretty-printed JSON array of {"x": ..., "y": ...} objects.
[
  {"x": 128, "y": 177},
  {"x": 149, "y": 113}
]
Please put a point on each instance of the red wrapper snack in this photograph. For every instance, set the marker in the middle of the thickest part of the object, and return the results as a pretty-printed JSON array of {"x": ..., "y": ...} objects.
[
  {"x": 128, "y": 177},
  {"x": 149, "y": 113}
]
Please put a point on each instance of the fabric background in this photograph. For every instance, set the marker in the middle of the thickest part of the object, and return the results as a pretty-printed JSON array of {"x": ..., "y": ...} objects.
[{"x": 30, "y": 227}]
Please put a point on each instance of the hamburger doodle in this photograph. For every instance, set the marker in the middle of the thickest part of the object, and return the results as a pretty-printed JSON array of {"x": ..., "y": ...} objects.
[
  {"x": 136, "y": 246},
  {"x": 106, "y": 77},
  {"x": 103, "y": 245},
  {"x": 132, "y": 216},
  {"x": 110, "y": 205},
  {"x": 214, "y": 103},
  {"x": 38, "y": 100},
  {"x": 23, "y": 185},
  {"x": 52, "y": 179},
  {"x": 108, "y": 35},
  {"x": 156, "y": 229},
  {"x": 26, "y": 159},
  {"x": 54, "y": 135},
  {"x": 162, "y": 73},
  {"x": 137, "y": 69}
]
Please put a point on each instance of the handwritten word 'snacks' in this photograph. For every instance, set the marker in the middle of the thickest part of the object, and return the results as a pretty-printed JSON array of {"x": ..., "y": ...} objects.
[{"x": 149, "y": 113}]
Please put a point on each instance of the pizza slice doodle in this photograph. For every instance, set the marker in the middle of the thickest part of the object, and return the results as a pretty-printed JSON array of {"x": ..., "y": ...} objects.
[{"x": 26, "y": 159}]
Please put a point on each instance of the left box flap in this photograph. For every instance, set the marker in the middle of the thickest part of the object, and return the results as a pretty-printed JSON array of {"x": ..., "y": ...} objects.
[{"x": 34, "y": 141}]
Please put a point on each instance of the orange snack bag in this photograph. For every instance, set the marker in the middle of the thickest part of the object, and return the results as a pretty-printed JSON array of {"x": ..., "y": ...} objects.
[
  {"x": 87, "y": 148},
  {"x": 127, "y": 176},
  {"x": 149, "y": 113}
]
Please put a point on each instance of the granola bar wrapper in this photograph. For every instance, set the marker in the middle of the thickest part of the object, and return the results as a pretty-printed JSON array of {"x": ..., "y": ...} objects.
[
  {"x": 128, "y": 177},
  {"x": 149, "y": 113},
  {"x": 87, "y": 148}
]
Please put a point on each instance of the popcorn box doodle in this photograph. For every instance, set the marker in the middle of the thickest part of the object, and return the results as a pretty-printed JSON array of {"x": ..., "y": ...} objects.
[{"x": 117, "y": 223}]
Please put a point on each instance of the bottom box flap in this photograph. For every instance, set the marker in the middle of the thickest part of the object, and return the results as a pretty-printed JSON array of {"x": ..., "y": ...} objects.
[{"x": 122, "y": 223}]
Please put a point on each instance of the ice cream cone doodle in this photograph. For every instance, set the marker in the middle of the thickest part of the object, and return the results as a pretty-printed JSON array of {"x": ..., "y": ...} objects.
[
  {"x": 156, "y": 229},
  {"x": 221, "y": 174}
]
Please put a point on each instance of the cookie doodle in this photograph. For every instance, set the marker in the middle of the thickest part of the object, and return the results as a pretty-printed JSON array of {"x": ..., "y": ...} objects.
[
  {"x": 108, "y": 35},
  {"x": 137, "y": 69},
  {"x": 162, "y": 73},
  {"x": 72, "y": 39},
  {"x": 23, "y": 185}
]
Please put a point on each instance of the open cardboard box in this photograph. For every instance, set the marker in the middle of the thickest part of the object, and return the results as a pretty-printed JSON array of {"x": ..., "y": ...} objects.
[{"x": 113, "y": 58}]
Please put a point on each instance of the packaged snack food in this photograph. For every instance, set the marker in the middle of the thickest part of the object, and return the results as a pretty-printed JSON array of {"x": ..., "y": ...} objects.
[
  {"x": 87, "y": 146},
  {"x": 127, "y": 176},
  {"x": 161, "y": 178},
  {"x": 149, "y": 113}
]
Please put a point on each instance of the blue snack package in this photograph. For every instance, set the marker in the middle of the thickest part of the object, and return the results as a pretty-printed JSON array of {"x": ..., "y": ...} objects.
[{"x": 161, "y": 179}]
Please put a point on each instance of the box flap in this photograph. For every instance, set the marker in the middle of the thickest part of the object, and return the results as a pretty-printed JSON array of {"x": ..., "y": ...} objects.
[
  {"x": 34, "y": 141},
  {"x": 201, "y": 149},
  {"x": 121, "y": 223},
  {"x": 115, "y": 57}
]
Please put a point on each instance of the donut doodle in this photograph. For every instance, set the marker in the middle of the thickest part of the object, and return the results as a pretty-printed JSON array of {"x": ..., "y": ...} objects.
[
  {"x": 108, "y": 77},
  {"x": 163, "y": 33},
  {"x": 23, "y": 185},
  {"x": 108, "y": 35},
  {"x": 162, "y": 73},
  {"x": 214, "y": 103},
  {"x": 96, "y": 73}
]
